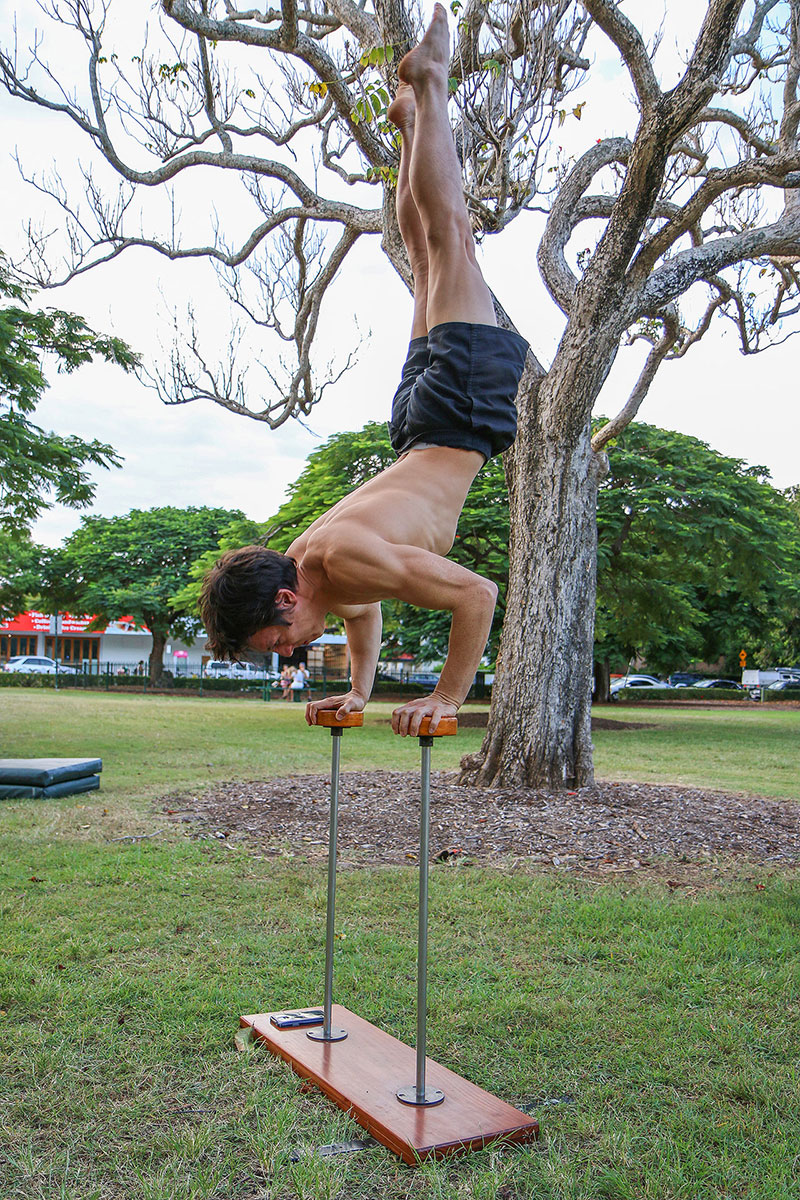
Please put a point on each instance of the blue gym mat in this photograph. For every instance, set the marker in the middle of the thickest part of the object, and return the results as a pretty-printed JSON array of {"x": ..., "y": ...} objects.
[
  {"x": 42, "y": 772},
  {"x": 68, "y": 787},
  {"x": 42, "y": 778}
]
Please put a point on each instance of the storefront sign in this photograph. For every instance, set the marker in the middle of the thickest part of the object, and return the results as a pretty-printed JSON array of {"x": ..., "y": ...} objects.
[
  {"x": 28, "y": 622},
  {"x": 39, "y": 622}
]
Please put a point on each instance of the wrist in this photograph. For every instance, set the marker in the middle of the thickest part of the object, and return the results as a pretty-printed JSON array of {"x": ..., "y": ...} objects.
[{"x": 447, "y": 699}]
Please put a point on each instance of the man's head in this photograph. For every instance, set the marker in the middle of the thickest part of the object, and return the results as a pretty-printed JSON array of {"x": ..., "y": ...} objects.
[{"x": 245, "y": 591}]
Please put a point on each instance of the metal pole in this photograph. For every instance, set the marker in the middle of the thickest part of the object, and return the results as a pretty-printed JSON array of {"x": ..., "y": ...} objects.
[
  {"x": 420, "y": 1094},
  {"x": 327, "y": 1033}
]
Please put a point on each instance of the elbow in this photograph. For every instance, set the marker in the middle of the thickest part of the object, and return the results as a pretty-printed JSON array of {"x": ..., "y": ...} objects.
[{"x": 489, "y": 594}]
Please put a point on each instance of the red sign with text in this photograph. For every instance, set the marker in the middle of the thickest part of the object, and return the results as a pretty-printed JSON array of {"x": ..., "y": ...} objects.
[{"x": 39, "y": 622}]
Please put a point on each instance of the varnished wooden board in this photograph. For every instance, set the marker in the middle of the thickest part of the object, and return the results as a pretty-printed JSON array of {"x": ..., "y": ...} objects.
[{"x": 363, "y": 1073}]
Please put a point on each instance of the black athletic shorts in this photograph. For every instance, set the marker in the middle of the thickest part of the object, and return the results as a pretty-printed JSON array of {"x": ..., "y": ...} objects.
[{"x": 458, "y": 388}]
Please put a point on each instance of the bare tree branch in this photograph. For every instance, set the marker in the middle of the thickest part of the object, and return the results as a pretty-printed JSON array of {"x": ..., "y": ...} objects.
[
  {"x": 668, "y": 208},
  {"x": 678, "y": 274},
  {"x": 559, "y": 279},
  {"x": 776, "y": 171},
  {"x": 360, "y": 23},
  {"x": 300, "y": 45},
  {"x": 626, "y": 37},
  {"x": 654, "y": 360},
  {"x": 189, "y": 376}
]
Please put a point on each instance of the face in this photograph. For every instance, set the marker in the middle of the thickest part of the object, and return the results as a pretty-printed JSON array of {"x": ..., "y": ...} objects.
[
  {"x": 282, "y": 639},
  {"x": 273, "y": 638}
]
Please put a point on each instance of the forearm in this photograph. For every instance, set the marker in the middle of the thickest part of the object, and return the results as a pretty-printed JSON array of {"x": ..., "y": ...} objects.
[
  {"x": 469, "y": 633},
  {"x": 364, "y": 640}
]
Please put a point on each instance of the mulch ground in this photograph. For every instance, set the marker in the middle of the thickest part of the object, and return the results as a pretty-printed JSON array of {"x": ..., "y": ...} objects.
[{"x": 611, "y": 827}]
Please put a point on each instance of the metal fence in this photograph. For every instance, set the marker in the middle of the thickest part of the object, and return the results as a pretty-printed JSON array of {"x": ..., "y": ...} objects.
[
  {"x": 127, "y": 677},
  {"x": 131, "y": 677}
]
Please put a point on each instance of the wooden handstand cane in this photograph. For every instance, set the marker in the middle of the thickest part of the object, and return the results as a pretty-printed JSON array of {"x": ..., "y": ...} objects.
[
  {"x": 329, "y": 720},
  {"x": 418, "y": 1093}
]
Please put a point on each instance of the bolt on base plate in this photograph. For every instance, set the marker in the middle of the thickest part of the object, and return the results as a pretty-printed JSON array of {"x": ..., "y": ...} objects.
[
  {"x": 333, "y": 1035},
  {"x": 408, "y": 1095}
]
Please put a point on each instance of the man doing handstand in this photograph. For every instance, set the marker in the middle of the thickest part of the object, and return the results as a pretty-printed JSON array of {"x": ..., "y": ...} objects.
[{"x": 453, "y": 410}]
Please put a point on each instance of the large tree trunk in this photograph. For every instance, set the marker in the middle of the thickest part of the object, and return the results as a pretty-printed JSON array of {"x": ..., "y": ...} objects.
[
  {"x": 602, "y": 681},
  {"x": 156, "y": 668},
  {"x": 539, "y": 731}
]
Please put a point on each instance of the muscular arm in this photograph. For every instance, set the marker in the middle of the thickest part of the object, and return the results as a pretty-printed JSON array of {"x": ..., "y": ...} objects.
[
  {"x": 373, "y": 567},
  {"x": 362, "y": 624},
  {"x": 471, "y": 599},
  {"x": 364, "y": 639}
]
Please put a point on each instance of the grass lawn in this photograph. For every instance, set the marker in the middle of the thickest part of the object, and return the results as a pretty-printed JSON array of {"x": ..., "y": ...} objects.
[
  {"x": 748, "y": 750},
  {"x": 669, "y": 1018}
]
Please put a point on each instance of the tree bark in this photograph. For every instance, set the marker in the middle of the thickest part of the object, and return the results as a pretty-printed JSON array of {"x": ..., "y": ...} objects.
[
  {"x": 156, "y": 667},
  {"x": 539, "y": 732}
]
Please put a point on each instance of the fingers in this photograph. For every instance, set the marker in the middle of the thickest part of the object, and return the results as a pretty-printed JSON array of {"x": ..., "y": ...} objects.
[
  {"x": 315, "y": 706},
  {"x": 342, "y": 704},
  {"x": 406, "y": 721}
]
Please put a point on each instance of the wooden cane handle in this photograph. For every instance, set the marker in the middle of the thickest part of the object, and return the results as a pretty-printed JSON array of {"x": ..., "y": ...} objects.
[
  {"x": 328, "y": 719},
  {"x": 446, "y": 727}
]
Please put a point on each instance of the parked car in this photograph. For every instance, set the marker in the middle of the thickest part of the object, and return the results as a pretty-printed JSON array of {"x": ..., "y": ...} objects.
[
  {"x": 719, "y": 683},
  {"x": 425, "y": 678},
  {"x": 217, "y": 669},
  {"x": 785, "y": 685},
  {"x": 636, "y": 681},
  {"x": 33, "y": 664},
  {"x": 683, "y": 679}
]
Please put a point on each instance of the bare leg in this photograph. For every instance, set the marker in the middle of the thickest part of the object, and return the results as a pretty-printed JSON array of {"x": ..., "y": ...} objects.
[
  {"x": 456, "y": 288},
  {"x": 402, "y": 111}
]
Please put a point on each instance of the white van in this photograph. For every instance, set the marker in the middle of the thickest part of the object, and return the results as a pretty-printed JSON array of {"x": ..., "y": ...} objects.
[
  {"x": 756, "y": 680},
  {"x": 216, "y": 669}
]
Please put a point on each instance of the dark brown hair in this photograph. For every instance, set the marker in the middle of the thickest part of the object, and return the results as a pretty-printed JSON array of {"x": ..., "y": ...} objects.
[{"x": 238, "y": 597}]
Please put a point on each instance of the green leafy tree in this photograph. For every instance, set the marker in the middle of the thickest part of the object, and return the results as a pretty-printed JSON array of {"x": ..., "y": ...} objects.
[
  {"x": 133, "y": 566},
  {"x": 37, "y": 468},
  {"x": 20, "y": 572},
  {"x": 782, "y": 641},
  {"x": 697, "y": 553},
  {"x": 240, "y": 532}
]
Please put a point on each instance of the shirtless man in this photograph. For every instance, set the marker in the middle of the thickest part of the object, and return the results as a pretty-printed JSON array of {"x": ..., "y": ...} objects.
[{"x": 453, "y": 410}]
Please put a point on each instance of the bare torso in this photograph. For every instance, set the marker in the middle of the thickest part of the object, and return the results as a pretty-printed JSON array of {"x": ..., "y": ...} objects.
[{"x": 416, "y": 501}]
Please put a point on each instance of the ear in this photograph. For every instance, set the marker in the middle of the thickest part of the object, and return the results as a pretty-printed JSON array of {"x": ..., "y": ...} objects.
[{"x": 285, "y": 598}]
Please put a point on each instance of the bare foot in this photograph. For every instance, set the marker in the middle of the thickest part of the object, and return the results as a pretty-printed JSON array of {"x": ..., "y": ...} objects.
[
  {"x": 432, "y": 56},
  {"x": 403, "y": 109}
]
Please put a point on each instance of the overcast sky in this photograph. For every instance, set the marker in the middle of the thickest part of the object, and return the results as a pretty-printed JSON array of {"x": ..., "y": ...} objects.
[{"x": 199, "y": 454}]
